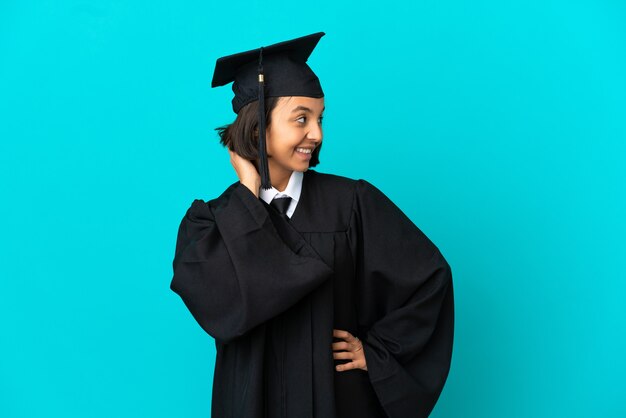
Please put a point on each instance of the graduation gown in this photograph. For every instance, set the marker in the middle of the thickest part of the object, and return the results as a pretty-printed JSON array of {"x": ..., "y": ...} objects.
[{"x": 270, "y": 290}]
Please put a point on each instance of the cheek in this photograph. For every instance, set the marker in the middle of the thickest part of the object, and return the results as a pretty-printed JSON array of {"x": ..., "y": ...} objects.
[{"x": 284, "y": 141}]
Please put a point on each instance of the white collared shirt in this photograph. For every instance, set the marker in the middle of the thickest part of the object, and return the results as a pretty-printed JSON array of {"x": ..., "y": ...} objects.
[{"x": 293, "y": 189}]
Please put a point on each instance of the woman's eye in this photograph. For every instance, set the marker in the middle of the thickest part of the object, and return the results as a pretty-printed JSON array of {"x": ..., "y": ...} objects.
[{"x": 303, "y": 118}]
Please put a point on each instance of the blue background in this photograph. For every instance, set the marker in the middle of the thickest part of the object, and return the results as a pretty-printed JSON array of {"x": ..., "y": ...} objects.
[{"x": 498, "y": 127}]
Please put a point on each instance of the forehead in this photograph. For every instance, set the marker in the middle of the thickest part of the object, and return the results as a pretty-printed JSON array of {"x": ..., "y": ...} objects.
[{"x": 291, "y": 103}]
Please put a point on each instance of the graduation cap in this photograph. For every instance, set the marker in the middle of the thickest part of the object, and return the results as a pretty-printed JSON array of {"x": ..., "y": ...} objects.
[{"x": 271, "y": 71}]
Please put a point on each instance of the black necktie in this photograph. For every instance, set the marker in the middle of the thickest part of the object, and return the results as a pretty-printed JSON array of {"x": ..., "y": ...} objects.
[{"x": 281, "y": 204}]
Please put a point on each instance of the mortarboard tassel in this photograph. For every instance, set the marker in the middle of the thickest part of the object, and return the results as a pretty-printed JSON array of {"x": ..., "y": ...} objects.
[{"x": 263, "y": 164}]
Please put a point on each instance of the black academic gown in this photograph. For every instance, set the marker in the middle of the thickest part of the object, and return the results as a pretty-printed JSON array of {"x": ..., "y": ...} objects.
[{"x": 270, "y": 290}]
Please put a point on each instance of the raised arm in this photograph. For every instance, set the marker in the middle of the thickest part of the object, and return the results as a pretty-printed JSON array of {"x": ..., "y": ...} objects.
[{"x": 234, "y": 270}]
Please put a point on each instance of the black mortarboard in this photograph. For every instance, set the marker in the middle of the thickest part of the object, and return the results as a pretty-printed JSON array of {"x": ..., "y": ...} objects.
[{"x": 271, "y": 71}]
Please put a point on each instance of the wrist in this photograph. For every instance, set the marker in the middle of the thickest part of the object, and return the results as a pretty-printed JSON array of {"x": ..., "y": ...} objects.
[{"x": 253, "y": 186}]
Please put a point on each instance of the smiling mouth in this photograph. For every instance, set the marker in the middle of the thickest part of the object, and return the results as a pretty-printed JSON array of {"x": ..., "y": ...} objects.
[{"x": 305, "y": 150}]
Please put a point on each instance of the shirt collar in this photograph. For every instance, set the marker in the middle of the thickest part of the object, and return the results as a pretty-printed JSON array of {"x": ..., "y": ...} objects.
[{"x": 293, "y": 189}]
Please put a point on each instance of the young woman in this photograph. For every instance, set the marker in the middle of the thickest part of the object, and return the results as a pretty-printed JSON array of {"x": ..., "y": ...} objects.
[{"x": 323, "y": 298}]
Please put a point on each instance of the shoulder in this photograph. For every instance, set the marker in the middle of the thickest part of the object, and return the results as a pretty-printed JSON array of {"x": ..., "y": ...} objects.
[
  {"x": 348, "y": 189},
  {"x": 332, "y": 180},
  {"x": 345, "y": 186},
  {"x": 340, "y": 190},
  {"x": 339, "y": 181},
  {"x": 204, "y": 209},
  {"x": 333, "y": 184}
]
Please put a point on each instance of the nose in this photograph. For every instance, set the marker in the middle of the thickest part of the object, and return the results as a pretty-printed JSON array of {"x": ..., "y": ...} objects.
[{"x": 315, "y": 133}]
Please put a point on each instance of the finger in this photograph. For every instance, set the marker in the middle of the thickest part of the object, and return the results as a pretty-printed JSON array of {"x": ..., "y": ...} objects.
[
  {"x": 234, "y": 156},
  {"x": 345, "y": 335},
  {"x": 346, "y": 366},
  {"x": 343, "y": 355},
  {"x": 341, "y": 346},
  {"x": 340, "y": 333}
]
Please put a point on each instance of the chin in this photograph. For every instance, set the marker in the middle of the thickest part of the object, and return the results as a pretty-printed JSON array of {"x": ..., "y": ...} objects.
[{"x": 299, "y": 167}]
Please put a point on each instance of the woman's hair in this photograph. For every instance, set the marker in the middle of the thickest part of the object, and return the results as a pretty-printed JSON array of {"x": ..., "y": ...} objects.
[{"x": 242, "y": 136}]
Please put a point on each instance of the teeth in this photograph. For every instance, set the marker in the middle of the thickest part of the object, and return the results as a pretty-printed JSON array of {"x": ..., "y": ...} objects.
[{"x": 304, "y": 150}]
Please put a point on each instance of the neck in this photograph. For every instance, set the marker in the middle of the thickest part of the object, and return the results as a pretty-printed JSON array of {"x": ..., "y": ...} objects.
[{"x": 279, "y": 178}]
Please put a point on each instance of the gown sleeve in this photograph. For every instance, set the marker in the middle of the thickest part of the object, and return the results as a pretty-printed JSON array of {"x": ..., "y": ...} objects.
[
  {"x": 406, "y": 305},
  {"x": 231, "y": 266}
]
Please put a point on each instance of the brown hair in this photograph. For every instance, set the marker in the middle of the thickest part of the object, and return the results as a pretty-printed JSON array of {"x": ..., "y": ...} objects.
[{"x": 242, "y": 136}]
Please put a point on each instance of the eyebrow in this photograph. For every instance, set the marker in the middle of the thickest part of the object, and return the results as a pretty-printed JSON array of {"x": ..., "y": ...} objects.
[{"x": 304, "y": 109}]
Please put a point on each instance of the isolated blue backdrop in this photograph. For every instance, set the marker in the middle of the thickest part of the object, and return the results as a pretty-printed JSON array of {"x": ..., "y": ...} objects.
[{"x": 498, "y": 127}]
